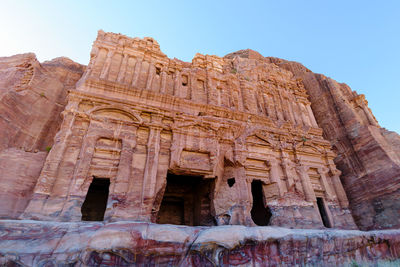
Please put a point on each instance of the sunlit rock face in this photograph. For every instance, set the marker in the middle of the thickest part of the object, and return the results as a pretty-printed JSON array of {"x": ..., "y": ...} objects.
[
  {"x": 32, "y": 97},
  {"x": 236, "y": 142},
  {"x": 368, "y": 155},
  {"x": 217, "y": 141}
]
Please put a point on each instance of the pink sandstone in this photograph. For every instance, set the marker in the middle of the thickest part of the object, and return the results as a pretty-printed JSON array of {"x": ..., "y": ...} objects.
[
  {"x": 146, "y": 244},
  {"x": 223, "y": 144},
  {"x": 368, "y": 155},
  {"x": 151, "y": 129}
]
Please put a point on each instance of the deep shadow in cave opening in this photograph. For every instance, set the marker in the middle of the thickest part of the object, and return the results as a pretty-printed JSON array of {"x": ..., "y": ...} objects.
[
  {"x": 95, "y": 203},
  {"x": 187, "y": 201},
  {"x": 322, "y": 211},
  {"x": 260, "y": 214}
]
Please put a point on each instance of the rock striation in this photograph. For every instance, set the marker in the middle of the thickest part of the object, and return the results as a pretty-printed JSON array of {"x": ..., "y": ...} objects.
[
  {"x": 196, "y": 154},
  {"x": 217, "y": 141},
  {"x": 146, "y": 244},
  {"x": 368, "y": 155},
  {"x": 32, "y": 97}
]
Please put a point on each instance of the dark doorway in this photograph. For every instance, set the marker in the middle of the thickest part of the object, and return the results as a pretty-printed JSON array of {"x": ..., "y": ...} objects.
[
  {"x": 322, "y": 211},
  {"x": 95, "y": 203},
  {"x": 186, "y": 201},
  {"x": 172, "y": 210},
  {"x": 259, "y": 213}
]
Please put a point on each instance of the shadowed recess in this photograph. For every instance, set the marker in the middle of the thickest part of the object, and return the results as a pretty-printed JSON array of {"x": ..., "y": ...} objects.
[
  {"x": 96, "y": 200},
  {"x": 186, "y": 201},
  {"x": 259, "y": 213}
]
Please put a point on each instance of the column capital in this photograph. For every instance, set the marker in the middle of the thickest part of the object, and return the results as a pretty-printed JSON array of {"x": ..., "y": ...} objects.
[
  {"x": 336, "y": 172},
  {"x": 302, "y": 168},
  {"x": 322, "y": 170},
  {"x": 273, "y": 161},
  {"x": 110, "y": 53}
]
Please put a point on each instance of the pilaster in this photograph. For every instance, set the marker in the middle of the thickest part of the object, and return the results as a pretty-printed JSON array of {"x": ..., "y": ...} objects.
[{"x": 107, "y": 64}]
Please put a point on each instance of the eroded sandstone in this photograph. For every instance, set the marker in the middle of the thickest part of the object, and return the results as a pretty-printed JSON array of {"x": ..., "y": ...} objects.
[
  {"x": 32, "y": 97},
  {"x": 221, "y": 143},
  {"x": 368, "y": 155},
  {"x": 146, "y": 244},
  {"x": 138, "y": 122}
]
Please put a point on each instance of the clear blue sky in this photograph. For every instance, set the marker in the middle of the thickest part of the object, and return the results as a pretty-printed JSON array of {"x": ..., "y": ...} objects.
[{"x": 356, "y": 42}]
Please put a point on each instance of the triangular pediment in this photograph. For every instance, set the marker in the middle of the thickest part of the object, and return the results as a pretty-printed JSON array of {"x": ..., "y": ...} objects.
[{"x": 256, "y": 140}]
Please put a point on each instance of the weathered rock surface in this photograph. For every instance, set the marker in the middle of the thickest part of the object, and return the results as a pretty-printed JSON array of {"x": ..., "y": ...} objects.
[
  {"x": 226, "y": 141},
  {"x": 146, "y": 244},
  {"x": 162, "y": 139},
  {"x": 19, "y": 171},
  {"x": 368, "y": 155},
  {"x": 32, "y": 96}
]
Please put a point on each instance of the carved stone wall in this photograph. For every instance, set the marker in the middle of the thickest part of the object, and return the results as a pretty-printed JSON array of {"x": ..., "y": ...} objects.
[
  {"x": 136, "y": 116},
  {"x": 368, "y": 155}
]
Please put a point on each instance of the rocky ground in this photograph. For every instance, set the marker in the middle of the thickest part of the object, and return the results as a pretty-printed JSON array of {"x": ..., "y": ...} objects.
[{"x": 34, "y": 243}]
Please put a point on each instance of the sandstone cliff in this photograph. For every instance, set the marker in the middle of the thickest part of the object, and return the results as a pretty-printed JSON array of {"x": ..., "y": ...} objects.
[
  {"x": 32, "y": 97},
  {"x": 367, "y": 155},
  {"x": 138, "y": 120},
  {"x": 148, "y": 129}
]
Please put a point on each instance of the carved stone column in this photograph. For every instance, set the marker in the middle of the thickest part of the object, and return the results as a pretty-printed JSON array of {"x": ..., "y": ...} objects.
[
  {"x": 189, "y": 93},
  {"x": 82, "y": 169},
  {"x": 266, "y": 106},
  {"x": 304, "y": 115},
  {"x": 122, "y": 71},
  {"x": 107, "y": 64},
  {"x": 177, "y": 83},
  {"x": 163, "y": 81},
  {"x": 294, "y": 108},
  {"x": 306, "y": 182},
  {"x": 278, "y": 108},
  {"x": 124, "y": 168},
  {"x": 153, "y": 149},
  {"x": 119, "y": 204},
  {"x": 239, "y": 95},
  {"x": 149, "y": 82},
  {"x": 337, "y": 185},
  {"x": 175, "y": 150},
  {"x": 286, "y": 165},
  {"x": 151, "y": 167},
  {"x": 274, "y": 175},
  {"x": 292, "y": 117},
  {"x": 136, "y": 72},
  {"x": 311, "y": 116},
  {"x": 328, "y": 191},
  {"x": 284, "y": 105}
]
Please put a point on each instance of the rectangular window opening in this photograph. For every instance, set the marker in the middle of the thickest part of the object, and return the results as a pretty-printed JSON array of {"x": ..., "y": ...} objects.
[
  {"x": 158, "y": 70},
  {"x": 185, "y": 80}
]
